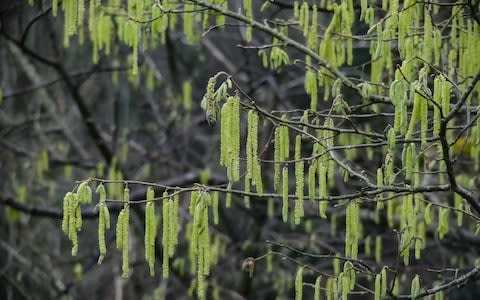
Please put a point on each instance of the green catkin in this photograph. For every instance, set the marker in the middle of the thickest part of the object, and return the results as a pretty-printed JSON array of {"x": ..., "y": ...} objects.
[
  {"x": 194, "y": 196},
  {"x": 172, "y": 234},
  {"x": 423, "y": 121},
  {"x": 188, "y": 22},
  {"x": 186, "y": 95},
  {"x": 418, "y": 248},
  {"x": 383, "y": 290},
  {"x": 322, "y": 182},
  {"x": 368, "y": 245},
  {"x": 378, "y": 249},
  {"x": 210, "y": 103},
  {"x": 349, "y": 272},
  {"x": 331, "y": 173},
  {"x": 125, "y": 223},
  {"x": 316, "y": 294},
  {"x": 306, "y": 17},
  {"x": 78, "y": 218},
  {"x": 84, "y": 193},
  {"x": 228, "y": 196},
  {"x": 119, "y": 230},
  {"x": 66, "y": 213},
  {"x": 391, "y": 139},
  {"x": 458, "y": 203},
  {"x": 101, "y": 232},
  {"x": 249, "y": 14},
  {"x": 443, "y": 226},
  {"x": 427, "y": 214},
  {"x": 380, "y": 180},
  {"x": 415, "y": 288},
  {"x": 437, "y": 99},
  {"x": 270, "y": 208},
  {"x": 446, "y": 86},
  {"x": 225, "y": 141},
  {"x": 165, "y": 235},
  {"x": 285, "y": 194},
  {"x": 150, "y": 230},
  {"x": 284, "y": 142},
  {"x": 311, "y": 182},
  {"x": 246, "y": 197},
  {"x": 378, "y": 287},
  {"x": 235, "y": 138},
  {"x": 72, "y": 229},
  {"x": 215, "y": 207},
  {"x": 415, "y": 112},
  {"x": 299, "y": 284},
  {"x": 54, "y": 7},
  {"x": 175, "y": 219},
  {"x": 299, "y": 181},
  {"x": 427, "y": 38},
  {"x": 252, "y": 143},
  {"x": 277, "y": 158}
]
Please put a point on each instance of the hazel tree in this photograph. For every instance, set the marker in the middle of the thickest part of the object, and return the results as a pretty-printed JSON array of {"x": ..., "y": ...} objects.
[{"x": 352, "y": 138}]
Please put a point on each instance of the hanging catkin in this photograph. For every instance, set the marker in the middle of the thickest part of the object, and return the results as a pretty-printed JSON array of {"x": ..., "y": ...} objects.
[
  {"x": 277, "y": 158},
  {"x": 165, "y": 234},
  {"x": 285, "y": 193},
  {"x": 103, "y": 221},
  {"x": 125, "y": 229},
  {"x": 150, "y": 230},
  {"x": 299, "y": 180},
  {"x": 415, "y": 288},
  {"x": 299, "y": 284}
]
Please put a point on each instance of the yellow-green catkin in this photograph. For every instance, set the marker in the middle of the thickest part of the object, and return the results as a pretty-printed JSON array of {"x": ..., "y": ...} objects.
[
  {"x": 72, "y": 224},
  {"x": 125, "y": 223},
  {"x": 322, "y": 182},
  {"x": 277, "y": 158},
  {"x": 165, "y": 235},
  {"x": 215, "y": 207},
  {"x": 378, "y": 249},
  {"x": 69, "y": 222},
  {"x": 188, "y": 22},
  {"x": 228, "y": 196},
  {"x": 299, "y": 181},
  {"x": 172, "y": 235},
  {"x": 66, "y": 213},
  {"x": 119, "y": 230},
  {"x": 459, "y": 205},
  {"x": 187, "y": 95},
  {"x": 316, "y": 294},
  {"x": 230, "y": 138},
  {"x": 209, "y": 103},
  {"x": 311, "y": 182},
  {"x": 150, "y": 230},
  {"x": 415, "y": 288},
  {"x": 383, "y": 290},
  {"x": 378, "y": 287},
  {"x": 103, "y": 222},
  {"x": 299, "y": 284},
  {"x": 437, "y": 108},
  {"x": 352, "y": 229},
  {"x": 84, "y": 193},
  {"x": 200, "y": 242},
  {"x": 253, "y": 164},
  {"x": 427, "y": 37},
  {"x": 249, "y": 14},
  {"x": 443, "y": 219},
  {"x": 54, "y": 7},
  {"x": 285, "y": 194},
  {"x": 446, "y": 87},
  {"x": 380, "y": 181}
]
